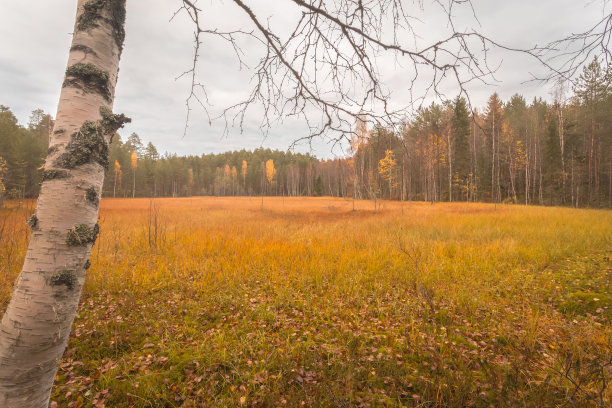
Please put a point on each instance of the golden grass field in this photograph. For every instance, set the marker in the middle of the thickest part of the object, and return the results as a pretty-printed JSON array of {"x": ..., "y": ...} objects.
[{"x": 216, "y": 302}]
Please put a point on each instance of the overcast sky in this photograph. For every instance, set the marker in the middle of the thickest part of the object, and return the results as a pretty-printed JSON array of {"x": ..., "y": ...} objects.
[{"x": 36, "y": 37}]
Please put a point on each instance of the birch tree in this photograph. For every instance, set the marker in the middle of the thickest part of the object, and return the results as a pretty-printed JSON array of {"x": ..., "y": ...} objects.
[{"x": 36, "y": 324}]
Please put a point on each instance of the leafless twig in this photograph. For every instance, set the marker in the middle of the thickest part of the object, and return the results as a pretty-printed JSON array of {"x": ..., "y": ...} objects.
[{"x": 326, "y": 70}]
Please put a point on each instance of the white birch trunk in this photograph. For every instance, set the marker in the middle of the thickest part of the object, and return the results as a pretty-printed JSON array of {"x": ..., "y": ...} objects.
[
  {"x": 37, "y": 322},
  {"x": 450, "y": 168}
]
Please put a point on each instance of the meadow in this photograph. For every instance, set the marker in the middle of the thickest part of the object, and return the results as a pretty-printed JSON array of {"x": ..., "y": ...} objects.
[{"x": 200, "y": 302}]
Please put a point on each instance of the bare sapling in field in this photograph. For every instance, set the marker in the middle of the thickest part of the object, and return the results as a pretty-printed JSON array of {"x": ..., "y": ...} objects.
[
  {"x": 576, "y": 369},
  {"x": 413, "y": 250},
  {"x": 154, "y": 234}
]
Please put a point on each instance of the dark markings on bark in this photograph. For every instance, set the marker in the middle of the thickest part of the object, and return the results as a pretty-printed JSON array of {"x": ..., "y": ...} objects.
[
  {"x": 64, "y": 277},
  {"x": 92, "y": 15},
  {"x": 87, "y": 265},
  {"x": 32, "y": 222},
  {"x": 89, "y": 78},
  {"x": 52, "y": 149},
  {"x": 54, "y": 174},
  {"x": 84, "y": 49},
  {"x": 59, "y": 131},
  {"x": 82, "y": 235},
  {"x": 92, "y": 196},
  {"x": 96, "y": 232}
]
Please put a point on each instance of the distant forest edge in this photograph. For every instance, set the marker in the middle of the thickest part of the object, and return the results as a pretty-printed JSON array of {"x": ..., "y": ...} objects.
[{"x": 543, "y": 153}]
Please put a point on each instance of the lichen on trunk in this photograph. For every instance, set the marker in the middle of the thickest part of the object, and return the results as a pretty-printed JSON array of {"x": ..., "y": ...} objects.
[
  {"x": 93, "y": 16},
  {"x": 89, "y": 78},
  {"x": 92, "y": 195},
  {"x": 82, "y": 235},
  {"x": 53, "y": 174},
  {"x": 88, "y": 145},
  {"x": 64, "y": 277},
  {"x": 32, "y": 222}
]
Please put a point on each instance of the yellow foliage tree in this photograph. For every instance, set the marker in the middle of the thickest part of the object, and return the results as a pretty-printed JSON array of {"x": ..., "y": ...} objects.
[
  {"x": 387, "y": 168},
  {"x": 270, "y": 171},
  {"x": 117, "y": 178},
  {"x": 243, "y": 174},
  {"x": 134, "y": 159},
  {"x": 227, "y": 172},
  {"x": 243, "y": 170}
]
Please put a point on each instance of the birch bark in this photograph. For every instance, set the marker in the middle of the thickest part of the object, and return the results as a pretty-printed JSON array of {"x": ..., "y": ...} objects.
[{"x": 37, "y": 322}]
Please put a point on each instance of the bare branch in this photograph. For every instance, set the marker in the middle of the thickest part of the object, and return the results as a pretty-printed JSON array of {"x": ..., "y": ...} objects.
[{"x": 326, "y": 69}]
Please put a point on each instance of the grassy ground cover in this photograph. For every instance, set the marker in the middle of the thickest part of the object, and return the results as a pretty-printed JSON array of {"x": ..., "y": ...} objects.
[{"x": 216, "y": 302}]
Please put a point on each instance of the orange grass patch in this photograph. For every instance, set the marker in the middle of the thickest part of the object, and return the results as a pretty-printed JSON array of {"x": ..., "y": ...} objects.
[{"x": 207, "y": 301}]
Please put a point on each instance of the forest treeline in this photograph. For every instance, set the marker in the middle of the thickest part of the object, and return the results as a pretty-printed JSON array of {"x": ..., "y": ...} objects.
[{"x": 538, "y": 152}]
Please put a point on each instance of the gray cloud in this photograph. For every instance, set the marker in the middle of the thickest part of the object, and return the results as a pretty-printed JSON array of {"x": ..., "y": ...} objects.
[{"x": 36, "y": 38}]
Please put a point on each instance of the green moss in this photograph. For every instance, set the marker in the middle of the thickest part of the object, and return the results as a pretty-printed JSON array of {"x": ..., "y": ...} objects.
[
  {"x": 67, "y": 278},
  {"x": 32, "y": 222},
  {"x": 82, "y": 235},
  {"x": 460, "y": 340},
  {"x": 443, "y": 317},
  {"x": 53, "y": 174},
  {"x": 580, "y": 303},
  {"x": 92, "y": 16},
  {"x": 89, "y": 78}
]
